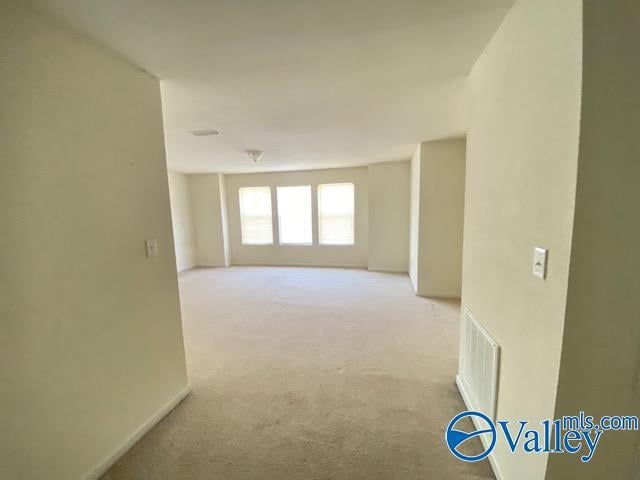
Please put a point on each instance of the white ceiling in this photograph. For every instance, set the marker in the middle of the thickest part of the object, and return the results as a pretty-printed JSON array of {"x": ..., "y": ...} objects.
[{"x": 314, "y": 84}]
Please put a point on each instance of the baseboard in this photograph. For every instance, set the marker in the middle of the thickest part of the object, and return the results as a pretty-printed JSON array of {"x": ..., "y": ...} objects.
[
  {"x": 210, "y": 265},
  {"x": 413, "y": 283},
  {"x": 388, "y": 270},
  {"x": 102, "y": 468},
  {"x": 186, "y": 269},
  {"x": 463, "y": 393},
  {"x": 497, "y": 471},
  {"x": 303, "y": 265},
  {"x": 444, "y": 295}
]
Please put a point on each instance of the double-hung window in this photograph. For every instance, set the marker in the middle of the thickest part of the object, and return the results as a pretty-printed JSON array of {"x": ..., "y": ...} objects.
[
  {"x": 336, "y": 214},
  {"x": 294, "y": 215},
  {"x": 255, "y": 216}
]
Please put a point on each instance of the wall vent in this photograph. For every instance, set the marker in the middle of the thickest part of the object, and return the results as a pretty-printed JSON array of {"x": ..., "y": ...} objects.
[{"x": 479, "y": 367}]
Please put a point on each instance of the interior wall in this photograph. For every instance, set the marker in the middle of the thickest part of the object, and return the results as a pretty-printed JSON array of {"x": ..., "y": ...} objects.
[
  {"x": 209, "y": 219},
  {"x": 225, "y": 221},
  {"x": 91, "y": 341},
  {"x": 182, "y": 221},
  {"x": 414, "y": 216},
  {"x": 308, "y": 255},
  {"x": 389, "y": 197},
  {"x": 600, "y": 365},
  {"x": 522, "y": 152},
  {"x": 441, "y": 218}
]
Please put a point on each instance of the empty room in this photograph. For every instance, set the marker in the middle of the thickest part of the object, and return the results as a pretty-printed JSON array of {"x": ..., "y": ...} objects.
[{"x": 339, "y": 240}]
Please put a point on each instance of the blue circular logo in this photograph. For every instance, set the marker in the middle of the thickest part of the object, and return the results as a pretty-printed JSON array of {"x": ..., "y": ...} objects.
[{"x": 456, "y": 438}]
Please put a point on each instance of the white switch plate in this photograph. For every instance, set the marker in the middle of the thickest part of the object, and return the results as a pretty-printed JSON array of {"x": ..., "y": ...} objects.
[
  {"x": 152, "y": 247},
  {"x": 540, "y": 262}
]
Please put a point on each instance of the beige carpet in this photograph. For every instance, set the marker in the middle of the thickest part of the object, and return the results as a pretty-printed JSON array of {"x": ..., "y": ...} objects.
[{"x": 301, "y": 374}]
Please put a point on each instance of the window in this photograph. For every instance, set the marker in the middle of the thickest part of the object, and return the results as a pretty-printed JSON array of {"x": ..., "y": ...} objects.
[
  {"x": 294, "y": 215},
  {"x": 335, "y": 214},
  {"x": 255, "y": 216}
]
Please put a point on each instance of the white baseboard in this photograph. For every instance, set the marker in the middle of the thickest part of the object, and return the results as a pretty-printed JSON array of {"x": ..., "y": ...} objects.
[
  {"x": 444, "y": 295},
  {"x": 497, "y": 471},
  {"x": 463, "y": 393},
  {"x": 413, "y": 283},
  {"x": 186, "y": 269},
  {"x": 102, "y": 468},
  {"x": 303, "y": 265},
  {"x": 388, "y": 270}
]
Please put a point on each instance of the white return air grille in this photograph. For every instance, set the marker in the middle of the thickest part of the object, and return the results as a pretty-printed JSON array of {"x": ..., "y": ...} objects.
[{"x": 479, "y": 366}]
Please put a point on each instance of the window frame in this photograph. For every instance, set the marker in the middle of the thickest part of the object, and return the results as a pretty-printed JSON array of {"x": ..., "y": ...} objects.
[
  {"x": 294, "y": 244},
  {"x": 240, "y": 212},
  {"x": 353, "y": 241}
]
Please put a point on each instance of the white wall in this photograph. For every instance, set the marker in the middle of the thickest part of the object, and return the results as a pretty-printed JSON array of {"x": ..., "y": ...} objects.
[
  {"x": 600, "y": 364},
  {"x": 382, "y": 219},
  {"x": 225, "y": 220},
  {"x": 522, "y": 152},
  {"x": 437, "y": 217},
  {"x": 182, "y": 221},
  {"x": 389, "y": 197},
  {"x": 91, "y": 345},
  {"x": 414, "y": 217},
  {"x": 209, "y": 219},
  {"x": 314, "y": 255},
  {"x": 441, "y": 217}
]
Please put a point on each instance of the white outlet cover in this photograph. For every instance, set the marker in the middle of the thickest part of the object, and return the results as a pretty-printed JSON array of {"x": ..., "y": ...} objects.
[{"x": 540, "y": 262}]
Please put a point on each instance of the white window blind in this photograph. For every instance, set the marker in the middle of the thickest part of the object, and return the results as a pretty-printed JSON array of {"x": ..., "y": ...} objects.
[
  {"x": 294, "y": 215},
  {"x": 336, "y": 214},
  {"x": 255, "y": 216}
]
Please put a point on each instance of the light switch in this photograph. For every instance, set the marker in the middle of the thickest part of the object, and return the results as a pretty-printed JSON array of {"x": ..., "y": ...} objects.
[
  {"x": 152, "y": 247},
  {"x": 540, "y": 262}
]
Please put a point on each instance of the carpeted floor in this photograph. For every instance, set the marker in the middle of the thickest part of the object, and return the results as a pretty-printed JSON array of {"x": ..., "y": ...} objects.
[{"x": 309, "y": 374}]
